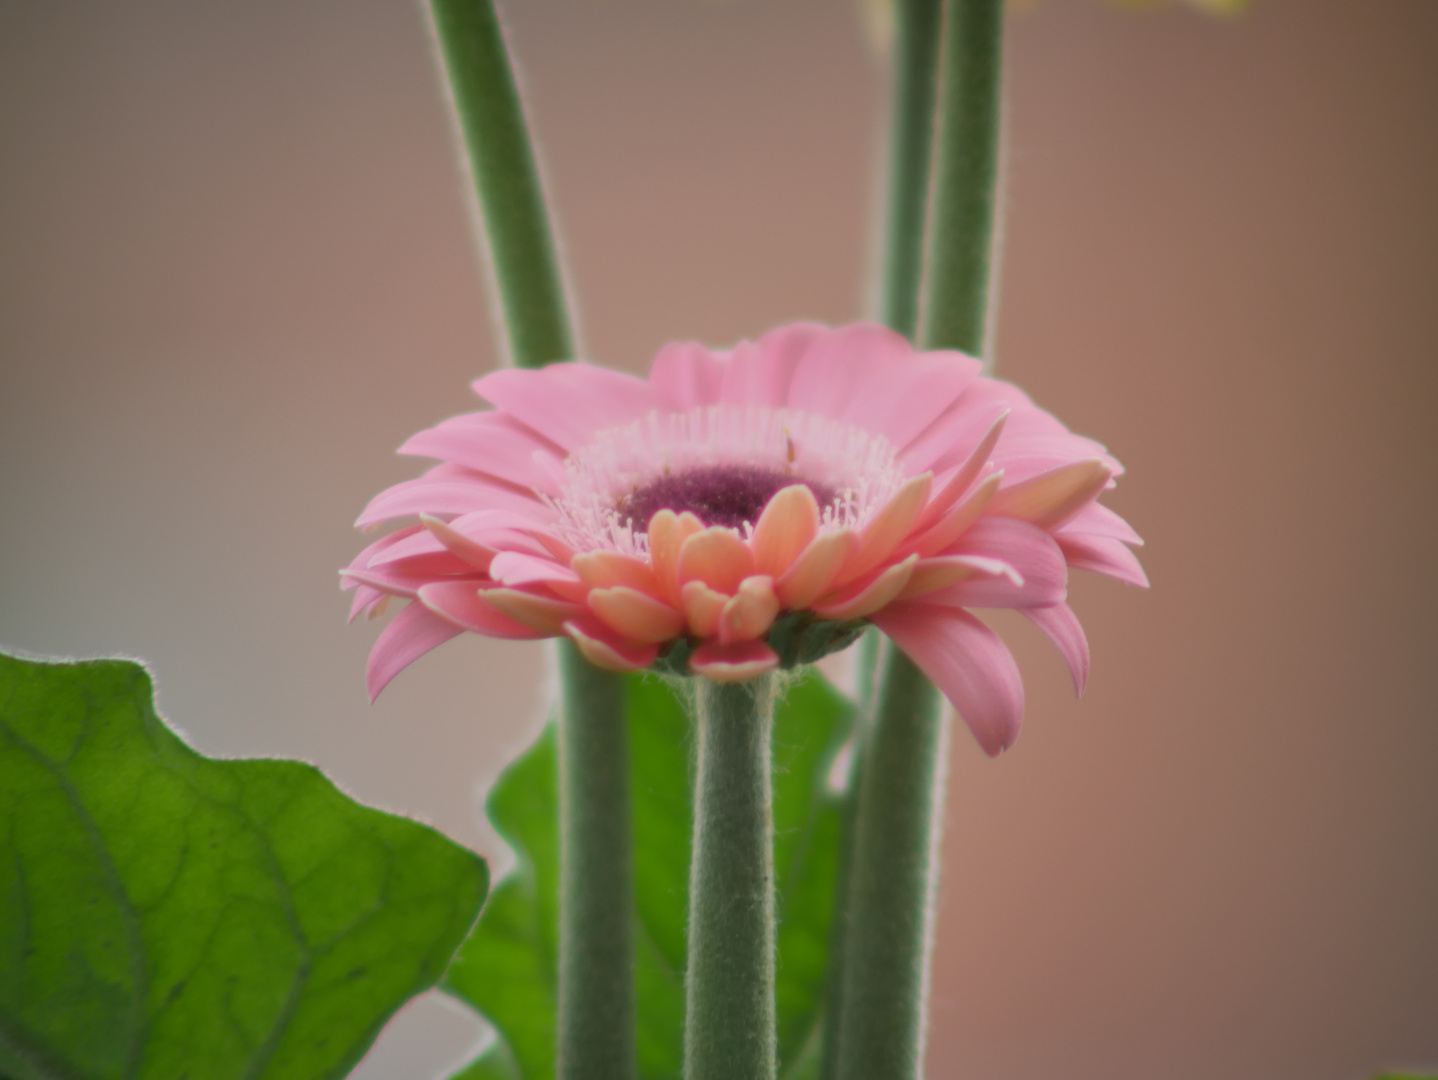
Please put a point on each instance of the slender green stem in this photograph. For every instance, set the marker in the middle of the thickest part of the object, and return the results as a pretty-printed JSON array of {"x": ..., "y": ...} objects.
[
  {"x": 596, "y": 958},
  {"x": 965, "y": 189},
  {"x": 911, "y": 138},
  {"x": 892, "y": 883},
  {"x": 901, "y": 789},
  {"x": 729, "y": 1028},
  {"x": 596, "y": 875},
  {"x": 511, "y": 197}
]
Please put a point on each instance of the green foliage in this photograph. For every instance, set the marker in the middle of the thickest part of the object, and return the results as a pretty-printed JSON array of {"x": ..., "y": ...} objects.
[
  {"x": 164, "y": 915},
  {"x": 507, "y": 969}
]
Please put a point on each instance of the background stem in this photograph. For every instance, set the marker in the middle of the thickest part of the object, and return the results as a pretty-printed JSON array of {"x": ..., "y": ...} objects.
[
  {"x": 596, "y": 965},
  {"x": 901, "y": 789},
  {"x": 965, "y": 188},
  {"x": 911, "y": 139},
  {"x": 596, "y": 869},
  {"x": 506, "y": 178},
  {"x": 729, "y": 1029}
]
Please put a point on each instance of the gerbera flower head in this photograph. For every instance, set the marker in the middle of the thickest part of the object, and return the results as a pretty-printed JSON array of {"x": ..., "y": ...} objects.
[{"x": 748, "y": 510}]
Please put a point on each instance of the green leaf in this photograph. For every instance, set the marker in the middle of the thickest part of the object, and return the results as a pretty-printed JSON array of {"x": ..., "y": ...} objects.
[
  {"x": 163, "y": 915},
  {"x": 507, "y": 969}
]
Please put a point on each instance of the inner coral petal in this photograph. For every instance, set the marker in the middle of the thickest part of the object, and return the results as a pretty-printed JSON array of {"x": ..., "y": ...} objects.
[
  {"x": 958, "y": 520},
  {"x": 635, "y": 614},
  {"x": 737, "y": 662},
  {"x": 604, "y": 569},
  {"x": 667, "y": 533},
  {"x": 933, "y": 574},
  {"x": 889, "y": 527},
  {"x": 862, "y": 599},
  {"x": 751, "y": 612},
  {"x": 459, "y": 602},
  {"x": 603, "y": 648},
  {"x": 785, "y": 529},
  {"x": 813, "y": 572},
  {"x": 1052, "y": 498},
  {"x": 541, "y": 613},
  {"x": 703, "y": 607},
  {"x": 717, "y": 557}
]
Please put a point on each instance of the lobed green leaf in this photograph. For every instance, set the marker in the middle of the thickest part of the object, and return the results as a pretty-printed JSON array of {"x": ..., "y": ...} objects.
[{"x": 164, "y": 915}]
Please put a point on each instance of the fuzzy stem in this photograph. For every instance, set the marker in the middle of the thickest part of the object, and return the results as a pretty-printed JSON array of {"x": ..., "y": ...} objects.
[
  {"x": 901, "y": 790},
  {"x": 596, "y": 872},
  {"x": 965, "y": 190},
  {"x": 729, "y": 1029},
  {"x": 506, "y": 178},
  {"x": 892, "y": 881},
  {"x": 596, "y": 1022},
  {"x": 911, "y": 138}
]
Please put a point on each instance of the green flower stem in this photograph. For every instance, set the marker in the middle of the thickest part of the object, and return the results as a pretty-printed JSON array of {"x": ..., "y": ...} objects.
[
  {"x": 506, "y": 178},
  {"x": 729, "y": 1028},
  {"x": 596, "y": 875},
  {"x": 596, "y": 971},
  {"x": 901, "y": 788},
  {"x": 891, "y": 895},
  {"x": 911, "y": 139},
  {"x": 966, "y": 188}
]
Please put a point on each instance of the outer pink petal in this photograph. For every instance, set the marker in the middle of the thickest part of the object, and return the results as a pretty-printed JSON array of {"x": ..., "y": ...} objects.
[
  {"x": 968, "y": 662},
  {"x": 493, "y": 443},
  {"x": 1027, "y": 548},
  {"x": 373, "y": 551},
  {"x": 900, "y": 402},
  {"x": 948, "y": 441},
  {"x": 516, "y": 569},
  {"x": 567, "y": 403},
  {"x": 605, "y": 648},
  {"x": 1061, "y": 626},
  {"x": 450, "y": 495},
  {"x": 396, "y": 582},
  {"x": 1103, "y": 556},
  {"x": 459, "y": 602},
  {"x": 407, "y": 637},
  {"x": 782, "y": 350},
  {"x": 836, "y": 364},
  {"x": 687, "y": 375},
  {"x": 1095, "y": 519}
]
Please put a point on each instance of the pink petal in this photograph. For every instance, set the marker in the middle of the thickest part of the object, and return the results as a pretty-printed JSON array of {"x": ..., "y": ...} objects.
[
  {"x": 968, "y": 662},
  {"x": 568, "y": 403},
  {"x": 459, "y": 602},
  {"x": 516, "y": 569},
  {"x": 901, "y": 400},
  {"x": 449, "y": 495},
  {"x": 495, "y": 444},
  {"x": 1051, "y": 498},
  {"x": 396, "y": 582},
  {"x": 838, "y": 363},
  {"x": 746, "y": 378},
  {"x": 782, "y": 350},
  {"x": 1026, "y": 548},
  {"x": 1095, "y": 519},
  {"x": 372, "y": 551},
  {"x": 686, "y": 375},
  {"x": 603, "y": 648},
  {"x": 1103, "y": 556},
  {"x": 407, "y": 637},
  {"x": 736, "y": 662},
  {"x": 1061, "y": 626}
]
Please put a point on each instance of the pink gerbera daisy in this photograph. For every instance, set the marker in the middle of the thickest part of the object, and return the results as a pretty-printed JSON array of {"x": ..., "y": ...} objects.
[{"x": 747, "y": 510}]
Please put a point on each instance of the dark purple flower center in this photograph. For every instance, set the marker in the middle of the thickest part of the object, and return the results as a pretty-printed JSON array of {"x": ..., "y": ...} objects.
[{"x": 726, "y": 495}]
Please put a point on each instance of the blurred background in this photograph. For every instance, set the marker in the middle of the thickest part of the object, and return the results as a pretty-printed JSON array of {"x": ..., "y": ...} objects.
[{"x": 236, "y": 271}]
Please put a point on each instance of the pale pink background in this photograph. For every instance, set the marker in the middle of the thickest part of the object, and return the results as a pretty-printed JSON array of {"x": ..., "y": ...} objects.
[{"x": 235, "y": 273}]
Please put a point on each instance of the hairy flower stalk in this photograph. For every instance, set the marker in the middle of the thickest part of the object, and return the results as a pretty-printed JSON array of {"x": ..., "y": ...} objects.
[
  {"x": 912, "y": 106},
  {"x": 596, "y": 978},
  {"x": 894, "y": 870},
  {"x": 730, "y": 1015}
]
